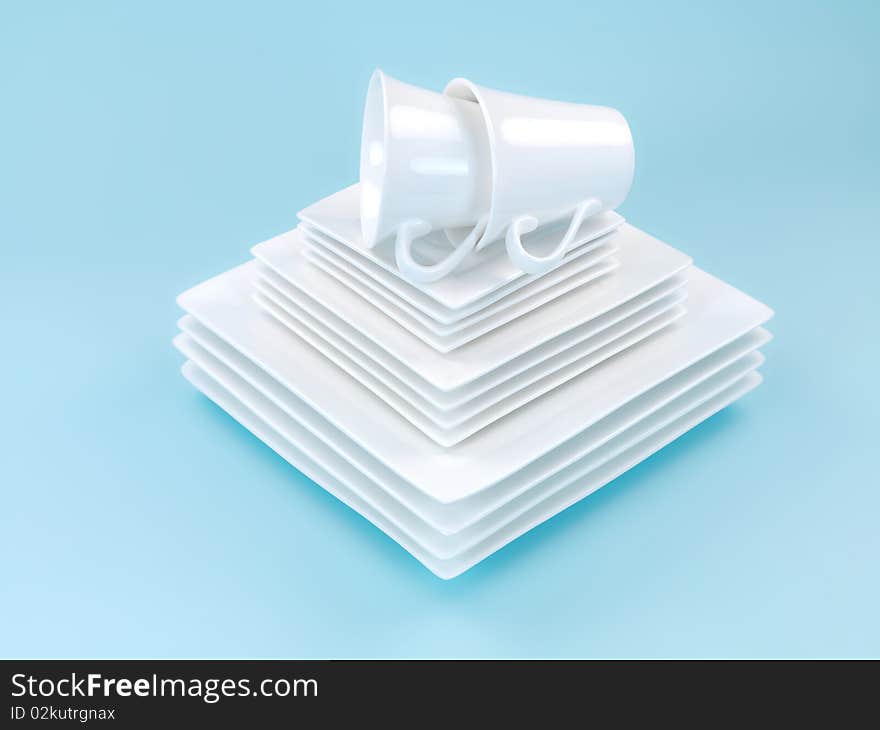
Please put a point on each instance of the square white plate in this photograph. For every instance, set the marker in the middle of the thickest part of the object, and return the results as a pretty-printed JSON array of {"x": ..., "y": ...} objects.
[
  {"x": 718, "y": 315},
  {"x": 644, "y": 263},
  {"x": 443, "y": 544},
  {"x": 449, "y": 568},
  {"x": 599, "y": 262},
  {"x": 606, "y": 343},
  {"x": 426, "y": 310},
  {"x": 451, "y": 427},
  {"x": 531, "y": 366},
  {"x": 338, "y": 216},
  {"x": 221, "y": 361}
]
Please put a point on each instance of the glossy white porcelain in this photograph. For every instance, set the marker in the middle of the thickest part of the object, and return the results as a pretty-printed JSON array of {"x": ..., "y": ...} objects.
[
  {"x": 502, "y": 381},
  {"x": 448, "y": 428},
  {"x": 222, "y": 361},
  {"x": 356, "y": 491},
  {"x": 550, "y": 161},
  {"x": 644, "y": 262},
  {"x": 553, "y": 284},
  {"x": 481, "y": 279},
  {"x": 595, "y": 266},
  {"x": 600, "y": 339},
  {"x": 424, "y": 166},
  {"x": 718, "y": 315}
]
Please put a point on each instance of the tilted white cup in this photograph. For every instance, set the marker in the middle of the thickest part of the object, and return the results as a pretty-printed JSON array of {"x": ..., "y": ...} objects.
[
  {"x": 425, "y": 165},
  {"x": 551, "y": 161}
]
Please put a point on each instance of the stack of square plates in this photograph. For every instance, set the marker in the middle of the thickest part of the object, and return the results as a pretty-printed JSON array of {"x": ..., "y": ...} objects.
[{"x": 457, "y": 415}]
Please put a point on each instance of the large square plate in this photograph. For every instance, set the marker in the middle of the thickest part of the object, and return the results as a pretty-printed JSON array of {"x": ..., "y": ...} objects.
[
  {"x": 718, "y": 315},
  {"x": 228, "y": 366},
  {"x": 326, "y": 473}
]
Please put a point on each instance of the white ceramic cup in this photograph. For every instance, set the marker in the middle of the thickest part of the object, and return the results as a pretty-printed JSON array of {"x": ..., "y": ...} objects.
[
  {"x": 425, "y": 165},
  {"x": 551, "y": 161}
]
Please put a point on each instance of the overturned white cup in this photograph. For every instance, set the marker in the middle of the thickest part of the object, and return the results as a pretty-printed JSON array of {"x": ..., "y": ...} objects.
[
  {"x": 425, "y": 165},
  {"x": 551, "y": 161},
  {"x": 482, "y": 164}
]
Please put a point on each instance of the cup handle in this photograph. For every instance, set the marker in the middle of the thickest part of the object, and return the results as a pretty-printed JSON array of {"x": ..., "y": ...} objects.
[
  {"x": 532, "y": 264},
  {"x": 420, "y": 273}
]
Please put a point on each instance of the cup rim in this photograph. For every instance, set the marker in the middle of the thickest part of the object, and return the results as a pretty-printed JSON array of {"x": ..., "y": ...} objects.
[
  {"x": 467, "y": 90},
  {"x": 370, "y": 222}
]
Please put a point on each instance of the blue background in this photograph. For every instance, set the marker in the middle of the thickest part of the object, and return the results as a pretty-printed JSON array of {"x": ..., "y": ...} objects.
[{"x": 145, "y": 147}]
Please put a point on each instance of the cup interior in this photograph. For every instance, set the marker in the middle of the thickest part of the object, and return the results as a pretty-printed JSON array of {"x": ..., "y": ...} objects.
[{"x": 374, "y": 163}]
